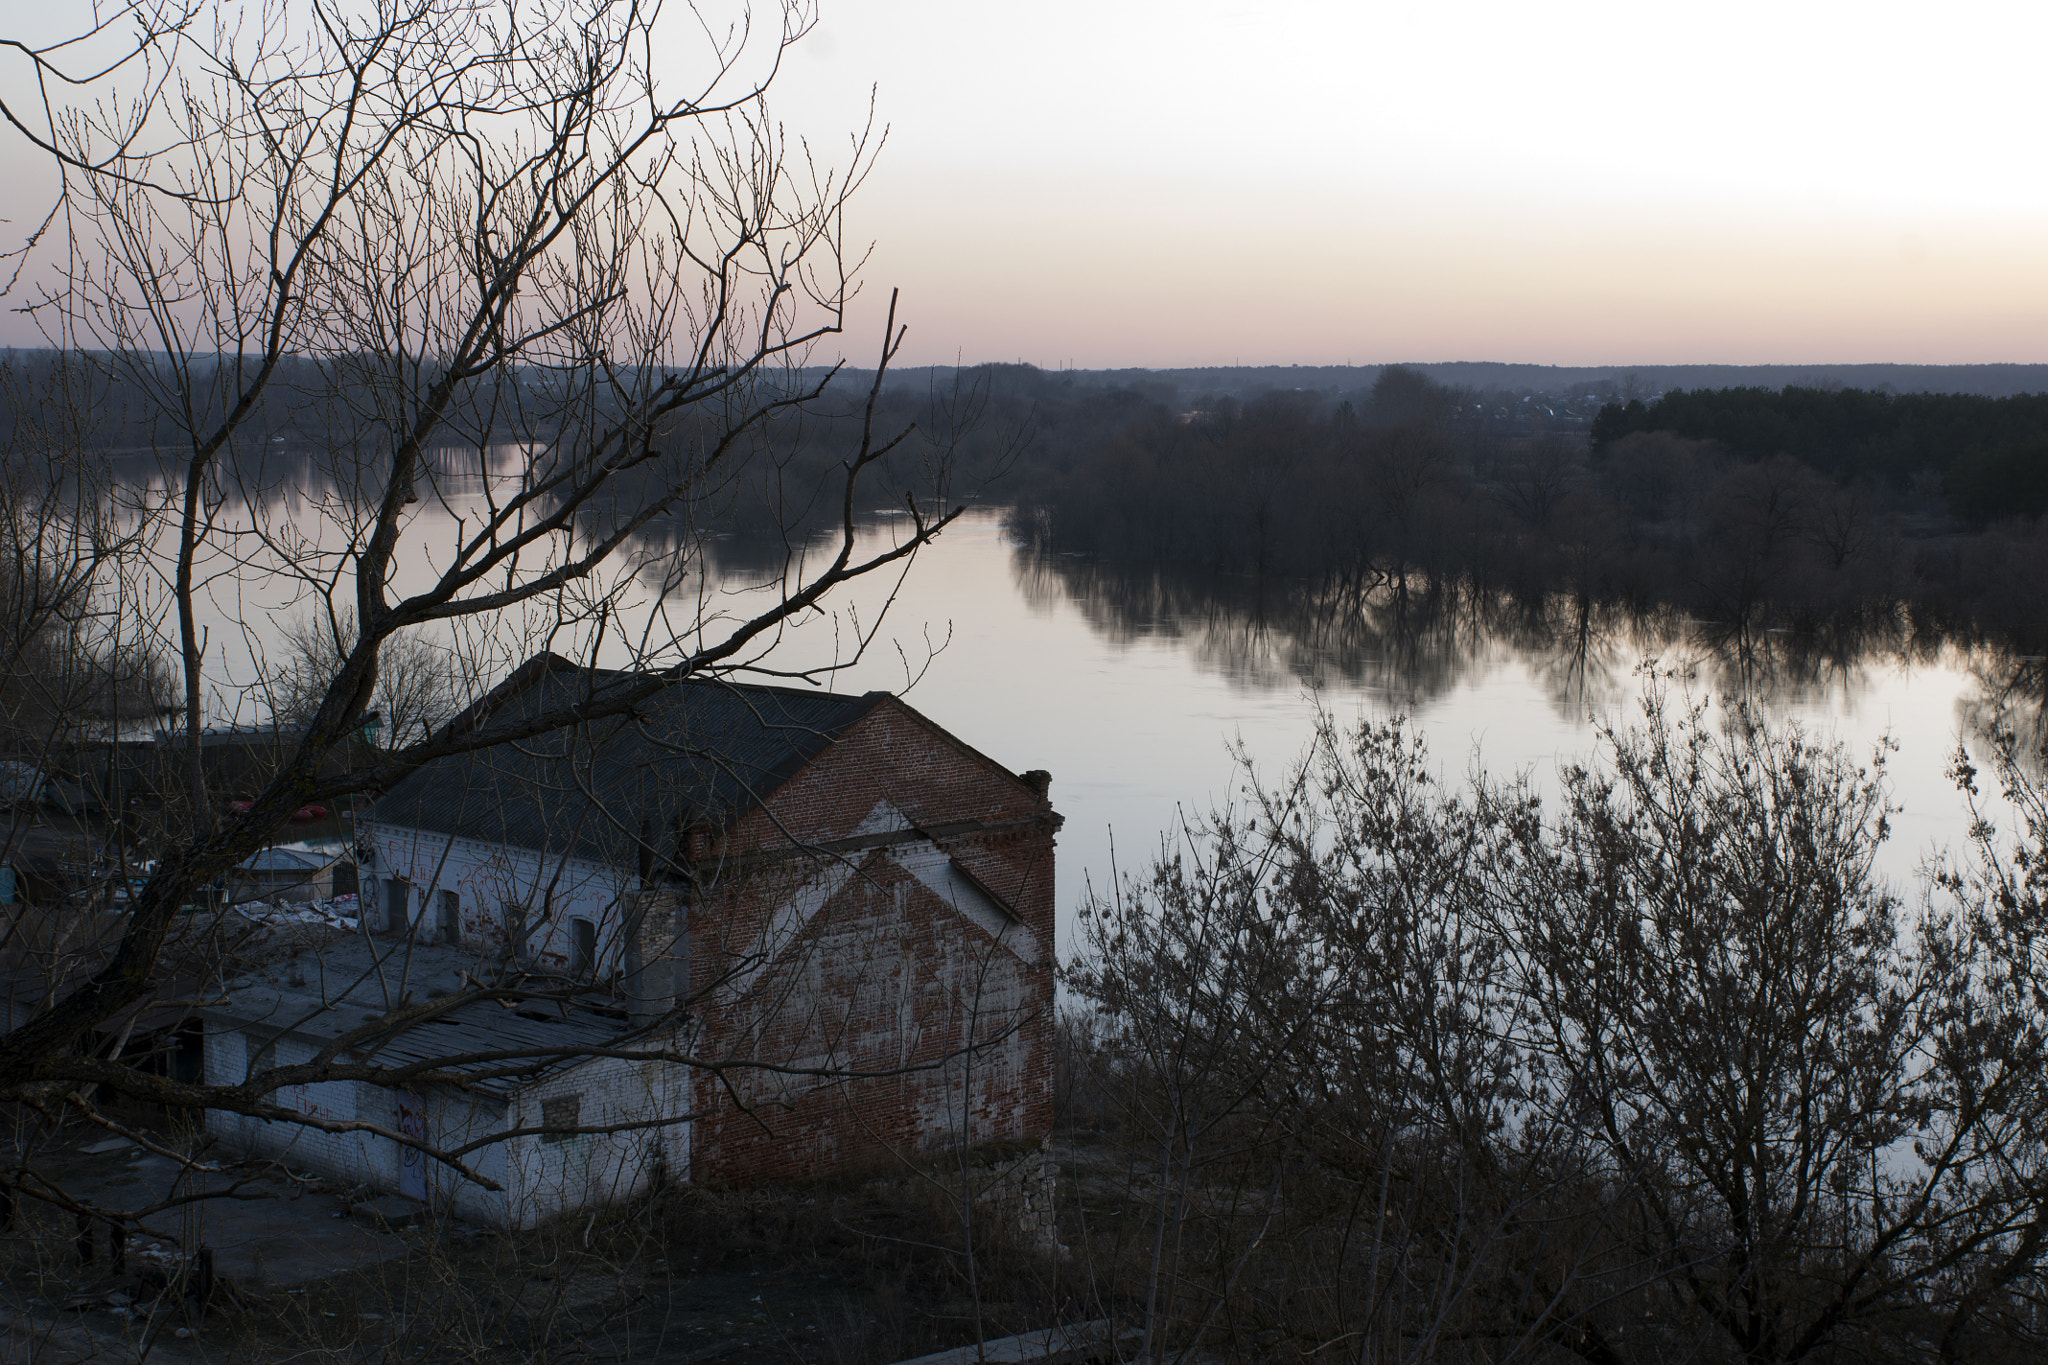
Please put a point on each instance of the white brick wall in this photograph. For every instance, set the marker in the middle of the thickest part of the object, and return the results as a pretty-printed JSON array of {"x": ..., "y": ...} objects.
[
  {"x": 600, "y": 1168},
  {"x": 538, "y": 1179},
  {"x": 489, "y": 877},
  {"x": 352, "y": 1158}
]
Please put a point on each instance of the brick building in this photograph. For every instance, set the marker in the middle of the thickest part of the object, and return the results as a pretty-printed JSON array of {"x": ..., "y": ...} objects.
[{"x": 841, "y": 912}]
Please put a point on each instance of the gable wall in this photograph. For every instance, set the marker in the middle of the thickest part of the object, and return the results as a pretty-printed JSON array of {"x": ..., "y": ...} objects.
[{"x": 877, "y": 970}]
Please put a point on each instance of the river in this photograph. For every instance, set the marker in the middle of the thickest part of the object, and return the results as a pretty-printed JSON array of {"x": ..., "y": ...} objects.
[
  {"x": 1133, "y": 695},
  {"x": 1133, "y": 692}
]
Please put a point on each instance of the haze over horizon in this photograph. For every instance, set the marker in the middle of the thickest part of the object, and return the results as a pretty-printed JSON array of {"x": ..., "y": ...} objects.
[
  {"x": 1586, "y": 183},
  {"x": 1314, "y": 182}
]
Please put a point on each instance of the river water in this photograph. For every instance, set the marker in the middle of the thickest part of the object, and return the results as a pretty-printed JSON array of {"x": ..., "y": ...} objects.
[{"x": 1133, "y": 692}]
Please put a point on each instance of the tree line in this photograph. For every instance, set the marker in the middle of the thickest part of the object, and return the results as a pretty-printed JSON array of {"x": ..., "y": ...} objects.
[
  {"x": 1399, "y": 496},
  {"x": 1988, "y": 456}
]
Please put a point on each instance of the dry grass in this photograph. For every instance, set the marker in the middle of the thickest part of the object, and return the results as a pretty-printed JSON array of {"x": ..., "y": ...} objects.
[{"x": 856, "y": 1271}]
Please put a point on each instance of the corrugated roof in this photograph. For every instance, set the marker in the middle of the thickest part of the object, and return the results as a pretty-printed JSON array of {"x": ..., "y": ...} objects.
[
  {"x": 696, "y": 751},
  {"x": 474, "y": 1031},
  {"x": 284, "y": 860},
  {"x": 344, "y": 982}
]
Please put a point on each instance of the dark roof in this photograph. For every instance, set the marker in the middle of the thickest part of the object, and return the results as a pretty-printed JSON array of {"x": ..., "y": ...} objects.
[
  {"x": 344, "y": 982},
  {"x": 696, "y": 752}
]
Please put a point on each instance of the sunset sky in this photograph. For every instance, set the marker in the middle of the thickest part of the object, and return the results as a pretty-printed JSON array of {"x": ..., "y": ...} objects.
[
  {"x": 1142, "y": 183},
  {"x": 1135, "y": 182}
]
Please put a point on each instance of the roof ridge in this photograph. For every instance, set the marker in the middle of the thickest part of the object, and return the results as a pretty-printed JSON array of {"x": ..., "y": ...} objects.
[
  {"x": 711, "y": 747},
  {"x": 778, "y": 689}
]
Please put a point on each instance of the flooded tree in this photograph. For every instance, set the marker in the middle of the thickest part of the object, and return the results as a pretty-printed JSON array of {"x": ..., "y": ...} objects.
[{"x": 418, "y": 684}]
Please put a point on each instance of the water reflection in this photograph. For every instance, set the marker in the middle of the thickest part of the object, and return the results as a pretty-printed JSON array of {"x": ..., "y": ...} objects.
[
  {"x": 2007, "y": 695},
  {"x": 1409, "y": 644},
  {"x": 1414, "y": 644},
  {"x": 1129, "y": 686}
]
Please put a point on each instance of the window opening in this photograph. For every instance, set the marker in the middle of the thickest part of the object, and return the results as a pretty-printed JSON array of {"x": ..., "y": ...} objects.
[{"x": 559, "y": 1115}]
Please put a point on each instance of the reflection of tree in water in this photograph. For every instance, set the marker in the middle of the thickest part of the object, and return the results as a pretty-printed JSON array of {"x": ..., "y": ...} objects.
[
  {"x": 693, "y": 552},
  {"x": 681, "y": 558},
  {"x": 1415, "y": 647},
  {"x": 2008, "y": 695},
  {"x": 1833, "y": 659},
  {"x": 1411, "y": 647}
]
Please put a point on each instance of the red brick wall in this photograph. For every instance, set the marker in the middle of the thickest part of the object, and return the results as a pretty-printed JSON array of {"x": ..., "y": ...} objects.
[{"x": 882, "y": 975}]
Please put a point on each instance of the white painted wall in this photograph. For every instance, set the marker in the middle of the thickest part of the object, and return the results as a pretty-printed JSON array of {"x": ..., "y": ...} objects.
[
  {"x": 488, "y": 878},
  {"x": 352, "y": 1158},
  {"x": 538, "y": 1179},
  {"x": 555, "y": 1176}
]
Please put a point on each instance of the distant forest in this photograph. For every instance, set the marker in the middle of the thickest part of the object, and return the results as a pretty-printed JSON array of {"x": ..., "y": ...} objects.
[
  {"x": 1803, "y": 509},
  {"x": 1990, "y": 455}
]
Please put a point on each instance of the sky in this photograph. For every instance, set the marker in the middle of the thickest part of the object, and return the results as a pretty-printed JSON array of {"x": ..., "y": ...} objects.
[
  {"x": 1211, "y": 182},
  {"x": 1579, "y": 182}
]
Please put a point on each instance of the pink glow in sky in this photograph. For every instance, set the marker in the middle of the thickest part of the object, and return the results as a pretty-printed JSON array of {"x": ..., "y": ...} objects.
[
  {"x": 1578, "y": 182},
  {"x": 1315, "y": 181}
]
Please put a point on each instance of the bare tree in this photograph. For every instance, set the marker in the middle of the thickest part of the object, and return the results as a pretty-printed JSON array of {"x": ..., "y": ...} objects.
[
  {"x": 1305, "y": 1033},
  {"x": 1533, "y": 485},
  {"x": 445, "y": 324},
  {"x": 418, "y": 687},
  {"x": 1816, "y": 1116},
  {"x": 1664, "y": 1073}
]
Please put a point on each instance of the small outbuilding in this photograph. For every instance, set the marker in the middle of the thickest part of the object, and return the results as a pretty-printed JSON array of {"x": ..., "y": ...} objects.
[
  {"x": 293, "y": 1010},
  {"x": 284, "y": 874}
]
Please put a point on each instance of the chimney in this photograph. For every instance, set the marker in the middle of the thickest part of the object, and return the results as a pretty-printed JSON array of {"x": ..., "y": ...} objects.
[
  {"x": 699, "y": 840},
  {"x": 1040, "y": 782},
  {"x": 657, "y": 963}
]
